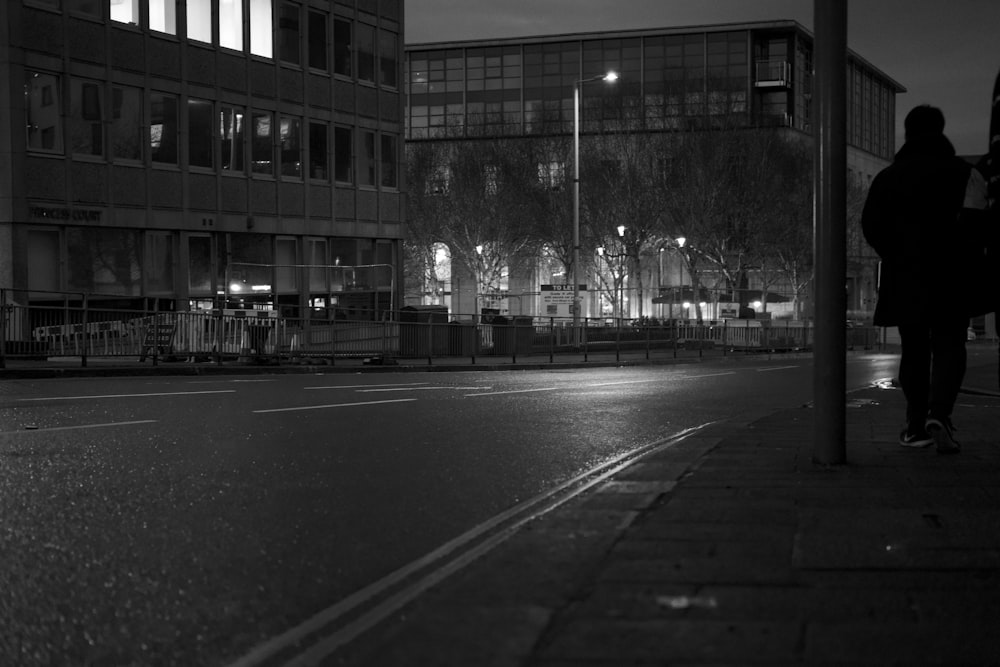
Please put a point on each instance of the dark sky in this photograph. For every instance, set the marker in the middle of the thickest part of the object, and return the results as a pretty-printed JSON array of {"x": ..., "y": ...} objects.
[{"x": 944, "y": 52}]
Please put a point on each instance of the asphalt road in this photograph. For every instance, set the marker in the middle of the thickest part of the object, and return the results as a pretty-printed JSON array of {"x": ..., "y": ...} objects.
[{"x": 186, "y": 520}]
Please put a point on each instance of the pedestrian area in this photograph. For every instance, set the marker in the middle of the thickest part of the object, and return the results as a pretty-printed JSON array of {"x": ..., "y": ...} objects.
[{"x": 733, "y": 548}]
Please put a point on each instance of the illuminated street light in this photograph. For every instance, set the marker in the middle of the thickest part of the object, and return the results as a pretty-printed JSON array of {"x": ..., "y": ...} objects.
[{"x": 609, "y": 77}]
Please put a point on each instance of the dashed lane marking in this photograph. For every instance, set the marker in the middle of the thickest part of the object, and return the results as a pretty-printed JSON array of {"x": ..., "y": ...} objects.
[
  {"x": 80, "y": 426},
  {"x": 369, "y": 386},
  {"x": 162, "y": 393},
  {"x": 333, "y": 405}
]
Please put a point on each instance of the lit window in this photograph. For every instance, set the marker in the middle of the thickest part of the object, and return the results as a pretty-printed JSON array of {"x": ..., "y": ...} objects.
[
  {"x": 199, "y": 20},
  {"x": 125, "y": 11},
  {"x": 231, "y": 24},
  {"x": 261, "y": 40},
  {"x": 163, "y": 16},
  {"x": 85, "y": 125},
  {"x": 200, "y": 133},
  {"x": 231, "y": 133},
  {"x": 42, "y": 112},
  {"x": 163, "y": 128},
  {"x": 291, "y": 146}
]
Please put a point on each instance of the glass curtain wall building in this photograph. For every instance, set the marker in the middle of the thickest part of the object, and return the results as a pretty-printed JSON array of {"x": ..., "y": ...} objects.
[
  {"x": 673, "y": 79},
  {"x": 161, "y": 148}
]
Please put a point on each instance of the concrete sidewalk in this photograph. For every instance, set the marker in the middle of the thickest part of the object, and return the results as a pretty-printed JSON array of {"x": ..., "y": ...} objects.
[{"x": 733, "y": 548}]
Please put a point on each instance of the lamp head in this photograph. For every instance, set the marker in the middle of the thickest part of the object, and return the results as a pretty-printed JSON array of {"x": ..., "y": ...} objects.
[
  {"x": 681, "y": 241},
  {"x": 611, "y": 76}
]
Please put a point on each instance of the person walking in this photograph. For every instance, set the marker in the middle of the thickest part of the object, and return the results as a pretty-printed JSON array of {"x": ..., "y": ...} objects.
[{"x": 925, "y": 217}]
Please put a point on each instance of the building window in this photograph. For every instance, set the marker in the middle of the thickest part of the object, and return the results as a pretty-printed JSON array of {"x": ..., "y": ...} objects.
[
  {"x": 366, "y": 52},
  {"x": 318, "y": 162},
  {"x": 291, "y": 146},
  {"x": 388, "y": 59},
  {"x": 232, "y": 138},
  {"x": 163, "y": 16},
  {"x": 389, "y": 161},
  {"x": 42, "y": 112},
  {"x": 342, "y": 154},
  {"x": 342, "y": 47},
  {"x": 200, "y": 142},
  {"x": 200, "y": 265},
  {"x": 126, "y": 123},
  {"x": 231, "y": 24},
  {"x": 88, "y": 7},
  {"x": 199, "y": 20},
  {"x": 158, "y": 263},
  {"x": 261, "y": 40},
  {"x": 85, "y": 125},
  {"x": 366, "y": 158},
  {"x": 104, "y": 260},
  {"x": 317, "y": 41},
  {"x": 163, "y": 128},
  {"x": 288, "y": 32},
  {"x": 261, "y": 146},
  {"x": 125, "y": 11}
]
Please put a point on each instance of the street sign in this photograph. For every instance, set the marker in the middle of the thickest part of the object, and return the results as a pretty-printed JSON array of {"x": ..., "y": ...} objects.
[{"x": 557, "y": 300}]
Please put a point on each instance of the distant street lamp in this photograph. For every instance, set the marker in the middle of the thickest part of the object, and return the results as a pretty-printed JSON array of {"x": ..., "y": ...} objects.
[{"x": 610, "y": 77}]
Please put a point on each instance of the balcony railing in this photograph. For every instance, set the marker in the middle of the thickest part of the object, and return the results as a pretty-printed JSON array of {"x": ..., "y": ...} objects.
[{"x": 773, "y": 74}]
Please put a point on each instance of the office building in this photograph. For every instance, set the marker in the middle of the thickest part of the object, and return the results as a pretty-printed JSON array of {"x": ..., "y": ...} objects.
[{"x": 184, "y": 151}]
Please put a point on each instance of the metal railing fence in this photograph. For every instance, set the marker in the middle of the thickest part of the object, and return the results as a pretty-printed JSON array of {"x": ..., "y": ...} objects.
[{"x": 85, "y": 327}]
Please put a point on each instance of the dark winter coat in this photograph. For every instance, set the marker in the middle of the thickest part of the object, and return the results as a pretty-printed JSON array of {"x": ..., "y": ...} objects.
[{"x": 925, "y": 218}]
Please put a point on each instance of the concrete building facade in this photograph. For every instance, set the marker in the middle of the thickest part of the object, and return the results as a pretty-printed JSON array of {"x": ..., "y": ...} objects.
[{"x": 186, "y": 150}]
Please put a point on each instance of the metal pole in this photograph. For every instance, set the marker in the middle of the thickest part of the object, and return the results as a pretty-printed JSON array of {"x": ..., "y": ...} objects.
[
  {"x": 576, "y": 212},
  {"x": 830, "y": 93}
]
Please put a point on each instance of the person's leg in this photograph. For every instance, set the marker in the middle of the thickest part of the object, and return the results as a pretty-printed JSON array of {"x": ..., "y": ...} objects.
[
  {"x": 948, "y": 338},
  {"x": 914, "y": 370}
]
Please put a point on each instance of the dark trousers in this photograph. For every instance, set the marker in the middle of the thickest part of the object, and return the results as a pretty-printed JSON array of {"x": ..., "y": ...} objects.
[{"x": 932, "y": 367}]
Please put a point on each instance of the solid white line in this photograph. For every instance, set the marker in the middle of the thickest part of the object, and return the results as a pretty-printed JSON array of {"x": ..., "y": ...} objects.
[
  {"x": 707, "y": 375},
  {"x": 72, "y": 428},
  {"x": 518, "y": 391},
  {"x": 369, "y": 386},
  {"x": 521, "y": 513},
  {"x": 172, "y": 393},
  {"x": 779, "y": 368},
  {"x": 334, "y": 405}
]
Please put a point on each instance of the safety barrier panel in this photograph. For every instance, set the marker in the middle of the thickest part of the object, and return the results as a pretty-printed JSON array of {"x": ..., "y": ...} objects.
[{"x": 73, "y": 329}]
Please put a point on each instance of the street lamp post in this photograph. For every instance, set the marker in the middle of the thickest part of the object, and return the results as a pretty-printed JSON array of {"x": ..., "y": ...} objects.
[{"x": 610, "y": 77}]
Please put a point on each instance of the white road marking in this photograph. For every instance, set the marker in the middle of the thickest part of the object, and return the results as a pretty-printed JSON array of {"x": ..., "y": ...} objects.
[
  {"x": 777, "y": 368},
  {"x": 369, "y": 386},
  {"x": 707, "y": 375},
  {"x": 171, "y": 393},
  {"x": 385, "y": 597},
  {"x": 516, "y": 391},
  {"x": 72, "y": 428},
  {"x": 371, "y": 391},
  {"x": 333, "y": 405},
  {"x": 612, "y": 384}
]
